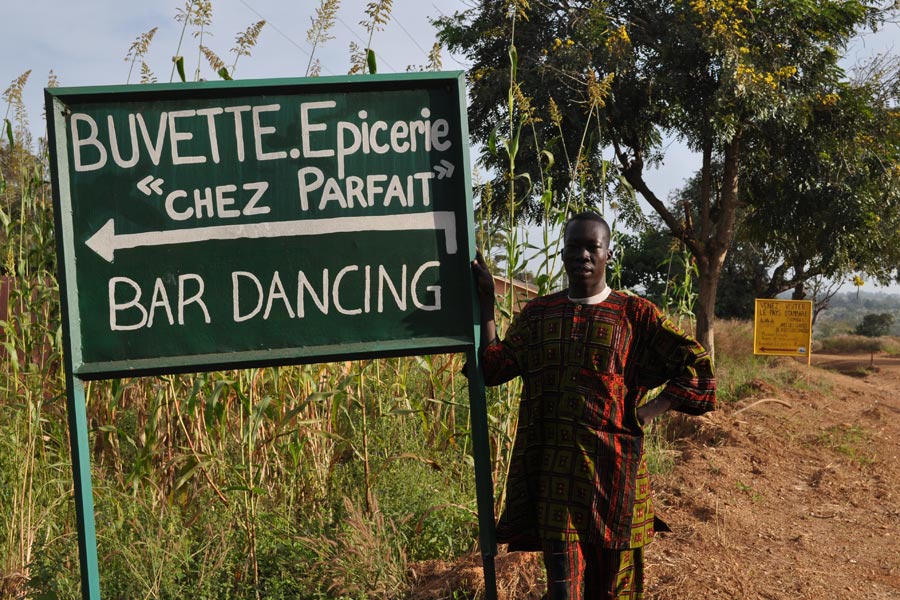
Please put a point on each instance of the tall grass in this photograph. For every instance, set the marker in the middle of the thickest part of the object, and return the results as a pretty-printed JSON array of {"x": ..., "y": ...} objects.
[
  {"x": 34, "y": 475},
  {"x": 251, "y": 483},
  {"x": 741, "y": 374},
  {"x": 294, "y": 482}
]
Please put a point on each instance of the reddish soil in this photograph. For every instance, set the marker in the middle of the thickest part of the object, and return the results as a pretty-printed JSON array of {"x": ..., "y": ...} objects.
[{"x": 790, "y": 494}]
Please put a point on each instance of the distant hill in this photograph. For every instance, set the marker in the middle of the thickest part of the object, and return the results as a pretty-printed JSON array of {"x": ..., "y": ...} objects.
[{"x": 846, "y": 310}]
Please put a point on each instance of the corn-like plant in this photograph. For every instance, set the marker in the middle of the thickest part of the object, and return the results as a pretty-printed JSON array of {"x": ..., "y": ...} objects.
[
  {"x": 320, "y": 32},
  {"x": 34, "y": 483},
  {"x": 138, "y": 50},
  {"x": 362, "y": 60}
]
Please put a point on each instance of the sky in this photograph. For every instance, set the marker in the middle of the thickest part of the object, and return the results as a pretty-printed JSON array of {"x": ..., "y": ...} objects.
[{"x": 85, "y": 43}]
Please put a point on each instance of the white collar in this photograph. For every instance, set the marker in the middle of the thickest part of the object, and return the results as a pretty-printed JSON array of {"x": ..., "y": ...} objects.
[{"x": 595, "y": 299}]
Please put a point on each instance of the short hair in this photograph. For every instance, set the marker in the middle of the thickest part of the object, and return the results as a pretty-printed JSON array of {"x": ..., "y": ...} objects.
[{"x": 589, "y": 215}]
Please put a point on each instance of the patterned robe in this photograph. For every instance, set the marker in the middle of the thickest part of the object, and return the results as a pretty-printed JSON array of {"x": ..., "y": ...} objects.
[{"x": 577, "y": 472}]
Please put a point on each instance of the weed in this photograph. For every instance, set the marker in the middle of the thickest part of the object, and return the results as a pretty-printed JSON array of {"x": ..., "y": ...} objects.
[
  {"x": 849, "y": 440},
  {"x": 741, "y": 374},
  {"x": 659, "y": 449},
  {"x": 748, "y": 489}
]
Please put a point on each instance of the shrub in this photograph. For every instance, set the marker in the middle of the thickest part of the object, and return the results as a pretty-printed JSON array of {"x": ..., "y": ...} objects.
[{"x": 875, "y": 325}]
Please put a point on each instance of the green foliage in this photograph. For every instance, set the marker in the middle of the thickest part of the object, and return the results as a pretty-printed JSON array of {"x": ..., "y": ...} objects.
[
  {"x": 271, "y": 480},
  {"x": 875, "y": 325},
  {"x": 718, "y": 75},
  {"x": 744, "y": 278},
  {"x": 748, "y": 489},
  {"x": 824, "y": 196},
  {"x": 550, "y": 156},
  {"x": 179, "y": 66},
  {"x": 651, "y": 263},
  {"x": 644, "y": 261},
  {"x": 659, "y": 449}
]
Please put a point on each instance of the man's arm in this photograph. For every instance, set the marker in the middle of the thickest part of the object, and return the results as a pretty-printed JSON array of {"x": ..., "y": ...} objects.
[
  {"x": 653, "y": 409},
  {"x": 670, "y": 357},
  {"x": 500, "y": 360}
]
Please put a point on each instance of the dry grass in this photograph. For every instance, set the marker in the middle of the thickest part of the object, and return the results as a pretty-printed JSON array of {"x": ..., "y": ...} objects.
[
  {"x": 741, "y": 374},
  {"x": 734, "y": 339},
  {"x": 849, "y": 344}
]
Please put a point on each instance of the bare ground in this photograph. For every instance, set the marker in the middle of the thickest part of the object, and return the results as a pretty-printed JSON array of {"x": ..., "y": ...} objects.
[{"x": 791, "y": 494}]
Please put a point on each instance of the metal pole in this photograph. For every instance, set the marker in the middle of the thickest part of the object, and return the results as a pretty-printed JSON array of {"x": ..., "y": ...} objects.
[
  {"x": 484, "y": 486},
  {"x": 84, "y": 498}
]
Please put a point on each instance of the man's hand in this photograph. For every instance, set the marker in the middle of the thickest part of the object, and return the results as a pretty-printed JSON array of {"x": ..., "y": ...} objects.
[
  {"x": 652, "y": 409},
  {"x": 484, "y": 282}
]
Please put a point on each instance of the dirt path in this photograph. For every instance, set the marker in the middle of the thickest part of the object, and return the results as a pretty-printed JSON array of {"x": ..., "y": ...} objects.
[
  {"x": 782, "y": 502},
  {"x": 788, "y": 495}
]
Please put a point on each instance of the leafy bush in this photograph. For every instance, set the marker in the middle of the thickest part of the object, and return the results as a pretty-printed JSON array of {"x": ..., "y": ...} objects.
[{"x": 875, "y": 325}]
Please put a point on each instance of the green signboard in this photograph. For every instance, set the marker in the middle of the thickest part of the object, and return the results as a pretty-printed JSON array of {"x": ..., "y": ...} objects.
[
  {"x": 238, "y": 223},
  {"x": 230, "y": 224}
]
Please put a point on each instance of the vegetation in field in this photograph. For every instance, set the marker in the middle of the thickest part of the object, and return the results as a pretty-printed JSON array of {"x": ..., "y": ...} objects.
[
  {"x": 855, "y": 344},
  {"x": 848, "y": 440},
  {"x": 741, "y": 374}
]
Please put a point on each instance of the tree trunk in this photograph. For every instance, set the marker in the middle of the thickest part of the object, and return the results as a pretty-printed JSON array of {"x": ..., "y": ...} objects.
[
  {"x": 705, "y": 310},
  {"x": 711, "y": 257}
]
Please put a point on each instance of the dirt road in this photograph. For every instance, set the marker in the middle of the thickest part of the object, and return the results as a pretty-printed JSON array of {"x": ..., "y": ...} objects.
[{"x": 788, "y": 502}]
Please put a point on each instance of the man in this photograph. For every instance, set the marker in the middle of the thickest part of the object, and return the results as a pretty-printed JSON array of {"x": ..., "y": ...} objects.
[{"x": 578, "y": 487}]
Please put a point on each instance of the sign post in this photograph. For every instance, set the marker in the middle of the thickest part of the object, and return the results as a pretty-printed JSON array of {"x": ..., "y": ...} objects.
[
  {"x": 783, "y": 327},
  {"x": 259, "y": 223}
]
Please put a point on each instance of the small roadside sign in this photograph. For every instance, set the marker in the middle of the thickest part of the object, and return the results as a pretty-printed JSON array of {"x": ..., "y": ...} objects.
[{"x": 783, "y": 327}]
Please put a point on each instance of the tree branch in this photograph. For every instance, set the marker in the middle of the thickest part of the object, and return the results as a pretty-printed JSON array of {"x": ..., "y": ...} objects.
[{"x": 632, "y": 170}]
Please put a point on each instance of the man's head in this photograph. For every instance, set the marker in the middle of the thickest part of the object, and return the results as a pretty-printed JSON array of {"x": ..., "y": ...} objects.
[{"x": 585, "y": 253}]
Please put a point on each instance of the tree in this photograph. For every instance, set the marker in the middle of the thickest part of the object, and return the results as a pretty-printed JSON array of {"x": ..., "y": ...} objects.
[
  {"x": 875, "y": 325},
  {"x": 651, "y": 263},
  {"x": 823, "y": 199},
  {"x": 714, "y": 73},
  {"x": 643, "y": 261}
]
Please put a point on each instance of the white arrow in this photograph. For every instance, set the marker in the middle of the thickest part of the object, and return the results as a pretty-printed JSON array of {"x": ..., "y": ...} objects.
[
  {"x": 105, "y": 242},
  {"x": 156, "y": 186},
  {"x": 445, "y": 169}
]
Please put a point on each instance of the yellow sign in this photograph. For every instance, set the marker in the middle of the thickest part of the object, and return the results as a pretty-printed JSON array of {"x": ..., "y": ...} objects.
[{"x": 783, "y": 327}]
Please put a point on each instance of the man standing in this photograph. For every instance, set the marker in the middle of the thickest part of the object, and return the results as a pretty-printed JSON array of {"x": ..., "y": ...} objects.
[{"x": 578, "y": 487}]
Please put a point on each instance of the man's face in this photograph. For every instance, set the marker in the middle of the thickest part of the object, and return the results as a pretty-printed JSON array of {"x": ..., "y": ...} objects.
[{"x": 585, "y": 254}]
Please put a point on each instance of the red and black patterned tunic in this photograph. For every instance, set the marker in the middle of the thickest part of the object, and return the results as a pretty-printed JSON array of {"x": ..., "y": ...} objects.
[{"x": 585, "y": 367}]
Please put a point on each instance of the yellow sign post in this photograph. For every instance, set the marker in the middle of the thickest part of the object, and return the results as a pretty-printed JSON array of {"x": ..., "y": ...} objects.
[{"x": 783, "y": 327}]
